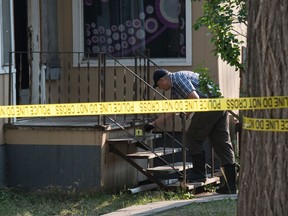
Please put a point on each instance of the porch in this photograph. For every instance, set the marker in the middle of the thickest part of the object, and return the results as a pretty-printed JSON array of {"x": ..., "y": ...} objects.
[
  {"x": 67, "y": 152},
  {"x": 74, "y": 153},
  {"x": 85, "y": 152}
]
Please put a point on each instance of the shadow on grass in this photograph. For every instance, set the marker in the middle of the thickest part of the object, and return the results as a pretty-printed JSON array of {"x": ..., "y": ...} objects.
[{"x": 55, "y": 201}]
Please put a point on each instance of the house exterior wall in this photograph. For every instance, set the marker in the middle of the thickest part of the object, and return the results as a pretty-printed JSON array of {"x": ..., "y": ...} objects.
[
  {"x": 45, "y": 149},
  {"x": 229, "y": 78},
  {"x": 79, "y": 158},
  {"x": 202, "y": 55},
  {"x": 4, "y": 83},
  {"x": 3, "y": 101},
  {"x": 2, "y": 166},
  {"x": 201, "y": 48},
  {"x": 6, "y": 45}
]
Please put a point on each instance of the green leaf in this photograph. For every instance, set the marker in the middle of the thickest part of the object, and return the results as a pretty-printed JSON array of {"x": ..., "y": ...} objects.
[{"x": 218, "y": 17}]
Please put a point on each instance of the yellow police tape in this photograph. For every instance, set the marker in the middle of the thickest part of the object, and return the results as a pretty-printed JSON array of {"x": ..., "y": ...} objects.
[
  {"x": 256, "y": 124},
  {"x": 138, "y": 107}
]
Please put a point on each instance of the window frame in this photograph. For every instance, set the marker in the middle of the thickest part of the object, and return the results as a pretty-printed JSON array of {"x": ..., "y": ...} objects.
[
  {"x": 78, "y": 40},
  {"x": 4, "y": 66}
]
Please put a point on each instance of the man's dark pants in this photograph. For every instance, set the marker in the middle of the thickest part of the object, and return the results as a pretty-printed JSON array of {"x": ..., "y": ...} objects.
[{"x": 215, "y": 125}]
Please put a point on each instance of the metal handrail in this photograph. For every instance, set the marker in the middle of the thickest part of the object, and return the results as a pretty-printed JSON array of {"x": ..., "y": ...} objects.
[{"x": 101, "y": 76}]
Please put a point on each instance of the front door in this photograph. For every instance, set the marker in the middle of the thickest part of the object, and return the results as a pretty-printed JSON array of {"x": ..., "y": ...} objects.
[{"x": 21, "y": 42}]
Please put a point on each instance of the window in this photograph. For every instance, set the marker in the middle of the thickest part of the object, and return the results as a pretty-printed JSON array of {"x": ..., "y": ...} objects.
[
  {"x": 121, "y": 27},
  {"x": 6, "y": 30},
  {"x": 6, "y": 33}
]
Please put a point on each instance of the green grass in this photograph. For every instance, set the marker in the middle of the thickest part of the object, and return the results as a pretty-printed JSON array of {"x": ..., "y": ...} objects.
[
  {"x": 16, "y": 202},
  {"x": 225, "y": 207}
]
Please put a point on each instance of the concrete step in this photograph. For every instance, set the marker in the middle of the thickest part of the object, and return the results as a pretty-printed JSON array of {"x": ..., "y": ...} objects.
[
  {"x": 158, "y": 152},
  {"x": 191, "y": 186},
  {"x": 131, "y": 139},
  {"x": 178, "y": 166}
]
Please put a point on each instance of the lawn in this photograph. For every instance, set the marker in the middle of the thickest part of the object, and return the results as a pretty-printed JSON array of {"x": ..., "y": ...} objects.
[
  {"x": 225, "y": 207},
  {"x": 16, "y": 202}
]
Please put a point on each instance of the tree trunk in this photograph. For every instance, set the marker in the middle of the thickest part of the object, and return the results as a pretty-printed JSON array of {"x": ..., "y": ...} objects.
[{"x": 263, "y": 186}]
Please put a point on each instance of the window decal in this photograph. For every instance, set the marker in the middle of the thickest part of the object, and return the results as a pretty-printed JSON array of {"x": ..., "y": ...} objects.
[{"x": 124, "y": 26}]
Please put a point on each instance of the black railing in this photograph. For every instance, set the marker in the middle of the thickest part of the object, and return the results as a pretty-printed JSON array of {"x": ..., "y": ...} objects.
[{"x": 71, "y": 77}]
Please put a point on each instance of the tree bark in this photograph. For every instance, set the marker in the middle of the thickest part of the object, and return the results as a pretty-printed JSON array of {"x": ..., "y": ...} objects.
[{"x": 263, "y": 186}]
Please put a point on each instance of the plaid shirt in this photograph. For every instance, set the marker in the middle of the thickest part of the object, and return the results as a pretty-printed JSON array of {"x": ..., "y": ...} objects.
[{"x": 183, "y": 83}]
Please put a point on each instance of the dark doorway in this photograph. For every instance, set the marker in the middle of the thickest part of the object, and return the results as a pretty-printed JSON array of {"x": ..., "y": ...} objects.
[{"x": 21, "y": 46}]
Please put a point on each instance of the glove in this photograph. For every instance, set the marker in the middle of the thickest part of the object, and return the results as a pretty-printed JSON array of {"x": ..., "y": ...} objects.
[{"x": 148, "y": 127}]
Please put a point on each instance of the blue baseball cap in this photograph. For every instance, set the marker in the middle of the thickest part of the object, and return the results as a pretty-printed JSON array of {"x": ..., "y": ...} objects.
[{"x": 158, "y": 74}]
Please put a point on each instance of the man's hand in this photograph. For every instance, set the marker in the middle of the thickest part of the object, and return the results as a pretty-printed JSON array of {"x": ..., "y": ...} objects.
[
  {"x": 183, "y": 115},
  {"x": 186, "y": 116},
  {"x": 148, "y": 127}
]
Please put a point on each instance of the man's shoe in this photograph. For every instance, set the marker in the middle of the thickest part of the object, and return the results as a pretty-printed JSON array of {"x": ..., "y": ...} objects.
[
  {"x": 196, "y": 177},
  {"x": 198, "y": 172},
  {"x": 228, "y": 184},
  {"x": 226, "y": 189}
]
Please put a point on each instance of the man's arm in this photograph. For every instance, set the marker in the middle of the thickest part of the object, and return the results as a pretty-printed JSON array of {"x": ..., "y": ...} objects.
[
  {"x": 192, "y": 95},
  {"x": 161, "y": 119}
]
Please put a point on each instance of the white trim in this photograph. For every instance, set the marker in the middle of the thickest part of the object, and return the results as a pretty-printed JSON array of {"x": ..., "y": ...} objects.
[
  {"x": 12, "y": 27},
  {"x": 35, "y": 26},
  {"x": 188, "y": 32},
  {"x": 78, "y": 40},
  {"x": 5, "y": 69}
]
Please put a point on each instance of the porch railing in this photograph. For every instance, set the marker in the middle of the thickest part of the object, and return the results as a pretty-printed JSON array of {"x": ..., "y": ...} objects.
[
  {"x": 66, "y": 77},
  {"x": 71, "y": 77}
]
